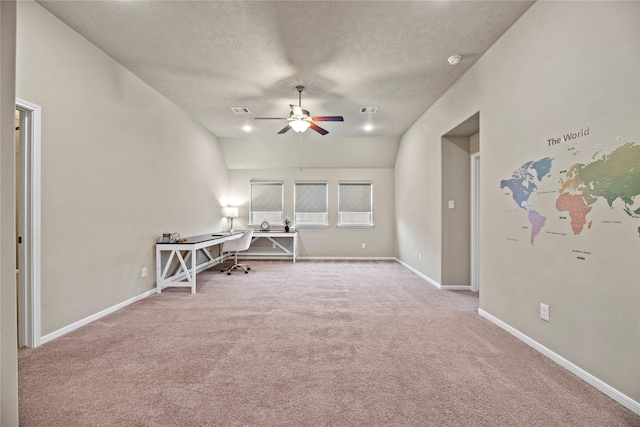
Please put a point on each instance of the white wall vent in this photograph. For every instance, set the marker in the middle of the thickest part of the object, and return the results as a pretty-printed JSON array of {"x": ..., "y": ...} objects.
[
  {"x": 370, "y": 110},
  {"x": 240, "y": 110}
]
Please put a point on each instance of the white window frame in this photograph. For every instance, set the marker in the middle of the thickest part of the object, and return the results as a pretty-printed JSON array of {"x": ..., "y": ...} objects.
[
  {"x": 343, "y": 216},
  {"x": 272, "y": 217},
  {"x": 297, "y": 216}
]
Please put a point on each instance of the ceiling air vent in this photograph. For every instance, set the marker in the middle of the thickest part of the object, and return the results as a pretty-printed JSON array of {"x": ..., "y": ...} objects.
[
  {"x": 368, "y": 109},
  {"x": 240, "y": 110}
]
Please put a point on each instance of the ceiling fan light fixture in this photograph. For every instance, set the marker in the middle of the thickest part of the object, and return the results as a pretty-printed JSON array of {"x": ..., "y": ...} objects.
[
  {"x": 299, "y": 125},
  {"x": 300, "y": 120}
]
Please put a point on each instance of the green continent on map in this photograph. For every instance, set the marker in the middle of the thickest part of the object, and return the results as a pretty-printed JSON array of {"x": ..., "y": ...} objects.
[{"x": 613, "y": 176}]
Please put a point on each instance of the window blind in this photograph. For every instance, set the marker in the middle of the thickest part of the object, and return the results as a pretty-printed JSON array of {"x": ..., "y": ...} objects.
[
  {"x": 310, "y": 203},
  {"x": 355, "y": 203},
  {"x": 266, "y": 202}
]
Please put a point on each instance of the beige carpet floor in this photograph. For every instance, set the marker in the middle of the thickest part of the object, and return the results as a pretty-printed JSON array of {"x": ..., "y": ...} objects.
[{"x": 305, "y": 344}]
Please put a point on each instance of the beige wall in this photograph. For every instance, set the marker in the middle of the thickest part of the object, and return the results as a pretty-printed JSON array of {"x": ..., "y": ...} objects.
[
  {"x": 562, "y": 66},
  {"x": 474, "y": 141},
  {"x": 289, "y": 151},
  {"x": 456, "y": 222},
  {"x": 8, "y": 341},
  {"x": 120, "y": 165},
  {"x": 332, "y": 241}
]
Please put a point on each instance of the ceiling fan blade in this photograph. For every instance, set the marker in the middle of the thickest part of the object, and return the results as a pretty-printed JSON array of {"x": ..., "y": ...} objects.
[
  {"x": 318, "y": 129},
  {"x": 271, "y": 118},
  {"x": 296, "y": 110},
  {"x": 327, "y": 119},
  {"x": 284, "y": 130}
]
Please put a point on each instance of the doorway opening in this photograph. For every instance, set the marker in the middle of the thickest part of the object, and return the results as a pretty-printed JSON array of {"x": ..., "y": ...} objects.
[
  {"x": 28, "y": 169},
  {"x": 459, "y": 193}
]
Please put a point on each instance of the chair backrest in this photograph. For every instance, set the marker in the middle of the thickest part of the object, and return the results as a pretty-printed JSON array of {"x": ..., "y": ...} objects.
[{"x": 242, "y": 243}]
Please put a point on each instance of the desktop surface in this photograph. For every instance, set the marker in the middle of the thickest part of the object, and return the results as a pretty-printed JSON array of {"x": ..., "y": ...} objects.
[{"x": 201, "y": 238}]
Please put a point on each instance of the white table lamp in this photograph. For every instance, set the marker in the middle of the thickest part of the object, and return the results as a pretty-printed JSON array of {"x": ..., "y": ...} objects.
[{"x": 231, "y": 212}]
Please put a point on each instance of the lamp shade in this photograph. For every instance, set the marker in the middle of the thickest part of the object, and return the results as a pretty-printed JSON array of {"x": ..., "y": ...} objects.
[
  {"x": 299, "y": 125},
  {"x": 231, "y": 212}
]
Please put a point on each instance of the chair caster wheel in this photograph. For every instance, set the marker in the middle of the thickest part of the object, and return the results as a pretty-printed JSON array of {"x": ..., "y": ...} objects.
[
  {"x": 248, "y": 268},
  {"x": 221, "y": 271},
  {"x": 229, "y": 273},
  {"x": 246, "y": 272}
]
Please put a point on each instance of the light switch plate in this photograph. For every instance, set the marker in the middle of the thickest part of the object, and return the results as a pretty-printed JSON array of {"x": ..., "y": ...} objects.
[{"x": 544, "y": 312}]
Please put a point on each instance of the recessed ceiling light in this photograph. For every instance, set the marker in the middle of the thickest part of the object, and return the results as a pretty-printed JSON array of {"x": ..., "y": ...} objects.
[
  {"x": 371, "y": 110},
  {"x": 246, "y": 128},
  {"x": 368, "y": 127},
  {"x": 240, "y": 110},
  {"x": 454, "y": 59}
]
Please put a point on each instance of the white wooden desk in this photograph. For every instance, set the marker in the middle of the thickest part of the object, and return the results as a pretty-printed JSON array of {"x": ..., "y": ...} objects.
[
  {"x": 174, "y": 269},
  {"x": 277, "y": 250}
]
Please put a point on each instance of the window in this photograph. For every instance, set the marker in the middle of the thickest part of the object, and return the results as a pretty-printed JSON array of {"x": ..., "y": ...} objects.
[
  {"x": 266, "y": 202},
  {"x": 355, "y": 207},
  {"x": 310, "y": 204}
]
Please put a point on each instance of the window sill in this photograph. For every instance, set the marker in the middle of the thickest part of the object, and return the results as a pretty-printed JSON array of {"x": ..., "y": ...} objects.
[
  {"x": 300, "y": 226},
  {"x": 354, "y": 226}
]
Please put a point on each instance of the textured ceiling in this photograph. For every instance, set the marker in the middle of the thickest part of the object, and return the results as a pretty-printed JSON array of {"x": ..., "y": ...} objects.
[{"x": 210, "y": 56}]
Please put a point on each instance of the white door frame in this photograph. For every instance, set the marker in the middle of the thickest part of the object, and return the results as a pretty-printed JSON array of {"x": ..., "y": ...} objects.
[
  {"x": 29, "y": 332},
  {"x": 475, "y": 222}
]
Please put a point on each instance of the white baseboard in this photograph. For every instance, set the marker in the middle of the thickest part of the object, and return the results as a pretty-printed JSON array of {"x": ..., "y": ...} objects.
[
  {"x": 433, "y": 282},
  {"x": 455, "y": 288},
  {"x": 264, "y": 257},
  {"x": 427, "y": 278},
  {"x": 93, "y": 317},
  {"x": 616, "y": 395},
  {"x": 339, "y": 258}
]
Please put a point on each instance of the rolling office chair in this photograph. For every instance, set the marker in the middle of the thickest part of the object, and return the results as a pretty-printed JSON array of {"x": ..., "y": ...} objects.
[{"x": 237, "y": 245}]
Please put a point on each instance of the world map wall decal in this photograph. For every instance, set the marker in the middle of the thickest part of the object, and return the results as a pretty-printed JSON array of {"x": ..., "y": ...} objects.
[{"x": 612, "y": 177}]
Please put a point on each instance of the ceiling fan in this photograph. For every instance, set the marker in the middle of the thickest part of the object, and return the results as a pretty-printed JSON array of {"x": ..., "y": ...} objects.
[{"x": 300, "y": 120}]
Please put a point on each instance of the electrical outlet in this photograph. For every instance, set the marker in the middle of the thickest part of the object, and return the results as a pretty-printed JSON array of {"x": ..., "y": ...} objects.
[
  {"x": 419, "y": 257},
  {"x": 544, "y": 312},
  {"x": 364, "y": 246},
  {"x": 452, "y": 204},
  {"x": 144, "y": 271},
  {"x": 415, "y": 255}
]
